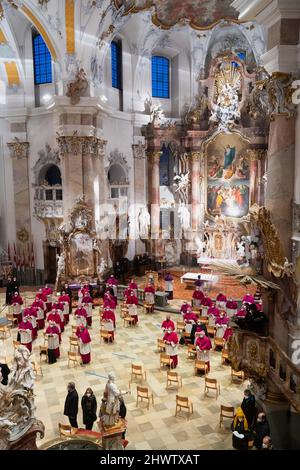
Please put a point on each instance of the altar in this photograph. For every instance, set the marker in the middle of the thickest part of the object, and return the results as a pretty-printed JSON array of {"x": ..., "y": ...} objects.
[{"x": 190, "y": 278}]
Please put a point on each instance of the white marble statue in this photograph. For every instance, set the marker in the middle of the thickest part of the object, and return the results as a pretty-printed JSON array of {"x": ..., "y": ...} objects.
[
  {"x": 101, "y": 268},
  {"x": 61, "y": 264},
  {"x": 144, "y": 222},
  {"x": 184, "y": 216},
  {"x": 182, "y": 186},
  {"x": 240, "y": 250},
  {"x": 201, "y": 245},
  {"x": 111, "y": 407}
]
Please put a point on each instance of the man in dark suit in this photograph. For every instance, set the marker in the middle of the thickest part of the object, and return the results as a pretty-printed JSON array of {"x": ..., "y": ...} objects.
[{"x": 71, "y": 405}]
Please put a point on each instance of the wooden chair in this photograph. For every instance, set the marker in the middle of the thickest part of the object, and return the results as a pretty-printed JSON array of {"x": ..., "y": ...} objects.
[
  {"x": 225, "y": 356},
  {"x": 184, "y": 403},
  {"x": 219, "y": 343},
  {"x": 191, "y": 351},
  {"x": 161, "y": 345},
  {"x": 137, "y": 373},
  {"x": 4, "y": 332},
  {"x": 212, "y": 384},
  {"x": 128, "y": 320},
  {"x": 45, "y": 338},
  {"x": 16, "y": 344},
  {"x": 43, "y": 352},
  {"x": 73, "y": 340},
  {"x": 73, "y": 357},
  {"x": 204, "y": 320},
  {"x": 74, "y": 329},
  {"x": 173, "y": 377},
  {"x": 180, "y": 326},
  {"x": 149, "y": 308},
  {"x": 200, "y": 366},
  {"x": 14, "y": 321},
  {"x": 37, "y": 369},
  {"x": 211, "y": 331},
  {"x": 226, "y": 412},
  {"x": 65, "y": 430},
  {"x": 237, "y": 376},
  {"x": 106, "y": 335},
  {"x": 187, "y": 338},
  {"x": 143, "y": 393},
  {"x": 164, "y": 360},
  {"x": 124, "y": 312}
]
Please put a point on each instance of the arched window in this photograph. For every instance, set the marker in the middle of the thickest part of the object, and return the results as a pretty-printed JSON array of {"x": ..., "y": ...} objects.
[
  {"x": 42, "y": 61},
  {"x": 118, "y": 181},
  {"x": 116, "y": 64},
  {"x": 53, "y": 175},
  {"x": 160, "y": 77}
]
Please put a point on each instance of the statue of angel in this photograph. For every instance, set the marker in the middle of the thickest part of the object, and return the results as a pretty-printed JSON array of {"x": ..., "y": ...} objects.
[
  {"x": 144, "y": 222},
  {"x": 184, "y": 216},
  {"x": 200, "y": 246},
  {"x": 101, "y": 268},
  {"x": 61, "y": 264}
]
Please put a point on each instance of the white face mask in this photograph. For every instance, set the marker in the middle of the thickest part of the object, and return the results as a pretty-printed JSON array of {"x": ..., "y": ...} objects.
[
  {"x": 88, "y": 395},
  {"x": 264, "y": 446}
]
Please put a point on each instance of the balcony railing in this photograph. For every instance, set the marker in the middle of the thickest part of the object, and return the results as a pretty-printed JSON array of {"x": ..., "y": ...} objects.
[
  {"x": 48, "y": 202},
  {"x": 261, "y": 357}
]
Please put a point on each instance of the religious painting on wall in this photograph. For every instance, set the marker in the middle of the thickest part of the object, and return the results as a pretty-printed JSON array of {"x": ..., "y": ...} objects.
[
  {"x": 228, "y": 176},
  {"x": 82, "y": 254}
]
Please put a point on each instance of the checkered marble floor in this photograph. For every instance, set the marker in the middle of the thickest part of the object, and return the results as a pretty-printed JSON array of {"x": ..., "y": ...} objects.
[{"x": 157, "y": 428}]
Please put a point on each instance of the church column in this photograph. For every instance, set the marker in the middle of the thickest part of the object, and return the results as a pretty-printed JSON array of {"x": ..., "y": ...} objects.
[
  {"x": 196, "y": 181},
  {"x": 256, "y": 157},
  {"x": 99, "y": 173},
  {"x": 70, "y": 149},
  {"x": 19, "y": 152},
  {"x": 140, "y": 186},
  {"x": 154, "y": 157}
]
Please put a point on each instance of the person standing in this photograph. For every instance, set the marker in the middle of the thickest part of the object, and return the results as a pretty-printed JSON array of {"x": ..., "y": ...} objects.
[
  {"x": 171, "y": 341},
  {"x": 169, "y": 287},
  {"x": 260, "y": 430},
  {"x": 71, "y": 405},
  {"x": 52, "y": 333},
  {"x": 84, "y": 343},
  {"x": 248, "y": 407},
  {"x": 89, "y": 409}
]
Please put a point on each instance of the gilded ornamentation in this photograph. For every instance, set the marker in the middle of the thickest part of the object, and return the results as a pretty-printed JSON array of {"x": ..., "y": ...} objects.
[
  {"x": 275, "y": 261},
  {"x": 18, "y": 149},
  {"x": 196, "y": 110},
  {"x": 77, "y": 88},
  {"x": 17, "y": 401},
  {"x": 272, "y": 95},
  {"x": 23, "y": 235},
  {"x": 76, "y": 145},
  {"x": 81, "y": 215},
  {"x": 225, "y": 108},
  {"x": 252, "y": 350}
]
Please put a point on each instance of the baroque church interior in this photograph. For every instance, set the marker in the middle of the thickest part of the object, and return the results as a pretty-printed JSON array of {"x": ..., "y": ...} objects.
[{"x": 149, "y": 224}]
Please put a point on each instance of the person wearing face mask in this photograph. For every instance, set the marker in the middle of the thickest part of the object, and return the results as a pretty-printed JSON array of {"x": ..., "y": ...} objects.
[
  {"x": 25, "y": 333},
  {"x": 260, "y": 430},
  {"x": 240, "y": 430},
  {"x": 248, "y": 406},
  {"x": 89, "y": 409},
  {"x": 267, "y": 443},
  {"x": 171, "y": 341},
  {"x": 71, "y": 405}
]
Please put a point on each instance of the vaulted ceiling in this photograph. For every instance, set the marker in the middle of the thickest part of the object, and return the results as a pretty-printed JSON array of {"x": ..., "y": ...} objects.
[{"x": 167, "y": 13}]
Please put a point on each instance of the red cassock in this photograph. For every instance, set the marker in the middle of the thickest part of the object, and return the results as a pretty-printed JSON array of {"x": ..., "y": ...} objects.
[
  {"x": 109, "y": 315},
  {"x": 185, "y": 307},
  {"x": 53, "y": 316},
  {"x": 60, "y": 306},
  {"x": 149, "y": 289},
  {"x": 112, "y": 281},
  {"x": 171, "y": 341},
  {"x": 47, "y": 290},
  {"x": 42, "y": 296},
  {"x": 241, "y": 313},
  {"x": 81, "y": 316},
  {"x": 31, "y": 314},
  {"x": 206, "y": 302},
  {"x": 84, "y": 344},
  {"x": 39, "y": 304},
  {"x": 221, "y": 298},
  {"x": 65, "y": 300},
  {"x": 111, "y": 301},
  {"x": 26, "y": 336},
  {"x": 213, "y": 311},
  {"x": 168, "y": 324},
  {"x": 228, "y": 333},
  {"x": 16, "y": 302},
  {"x": 248, "y": 299},
  {"x": 53, "y": 344},
  {"x": 204, "y": 345},
  {"x": 198, "y": 294},
  {"x": 17, "y": 299},
  {"x": 190, "y": 317},
  {"x": 133, "y": 286},
  {"x": 231, "y": 304}
]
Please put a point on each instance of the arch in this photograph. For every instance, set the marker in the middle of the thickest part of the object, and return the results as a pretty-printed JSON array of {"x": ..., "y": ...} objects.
[
  {"x": 53, "y": 175},
  {"x": 116, "y": 174}
]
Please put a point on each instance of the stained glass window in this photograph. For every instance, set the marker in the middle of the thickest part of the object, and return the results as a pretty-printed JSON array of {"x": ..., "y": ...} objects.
[
  {"x": 41, "y": 61},
  {"x": 160, "y": 77}
]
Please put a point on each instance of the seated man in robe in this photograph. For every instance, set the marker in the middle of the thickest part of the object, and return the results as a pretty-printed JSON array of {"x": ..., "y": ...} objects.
[
  {"x": 16, "y": 302},
  {"x": 132, "y": 302},
  {"x": 53, "y": 335},
  {"x": 47, "y": 290},
  {"x": 168, "y": 323},
  {"x": 197, "y": 297},
  {"x": 189, "y": 318},
  {"x": 171, "y": 341},
  {"x": 206, "y": 303},
  {"x": 221, "y": 324},
  {"x": 84, "y": 343},
  {"x": 149, "y": 294},
  {"x": 185, "y": 307},
  {"x": 25, "y": 335},
  {"x": 221, "y": 300},
  {"x": 108, "y": 321},
  {"x": 40, "y": 295},
  {"x": 109, "y": 300},
  {"x": 203, "y": 347},
  {"x": 213, "y": 310},
  {"x": 133, "y": 286},
  {"x": 231, "y": 308},
  {"x": 126, "y": 293},
  {"x": 112, "y": 283}
]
